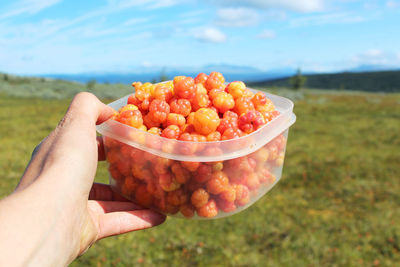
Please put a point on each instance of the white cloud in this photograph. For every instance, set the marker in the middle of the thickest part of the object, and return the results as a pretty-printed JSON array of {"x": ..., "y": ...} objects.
[
  {"x": 135, "y": 21},
  {"x": 267, "y": 34},
  {"x": 327, "y": 18},
  {"x": 392, "y": 4},
  {"x": 294, "y": 5},
  {"x": 377, "y": 57},
  {"x": 210, "y": 35},
  {"x": 28, "y": 7},
  {"x": 237, "y": 17}
]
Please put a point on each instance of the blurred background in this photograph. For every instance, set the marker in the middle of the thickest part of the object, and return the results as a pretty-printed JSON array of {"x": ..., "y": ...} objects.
[{"x": 337, "y": 203}]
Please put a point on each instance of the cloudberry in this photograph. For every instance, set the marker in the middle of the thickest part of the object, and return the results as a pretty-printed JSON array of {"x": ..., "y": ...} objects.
[
  {"x": 190, "y": 165},
  {"x": 218, "y": 183},
  {"x": 248, "y": 94},
  {"x": 231, "y": 133},
  {"x": 177, "y": 79},
  {"x": 225, "y": 206},
  {"x": 242, "y": 105},
  {"x": 133, "y": 100},
  {"x": 203, "y": 173},
  {"x": 236, "y": 89},
  {"x": 114, "y": 172},
  {"x": 209, "y": 210},
  {"x": 214, "y": 92},
  {"x": 206, "y": 121},
  {"x": 143, "y": 197},
  {"x": 182, "y": 175},
  {"x": 177, "y": 197},
  {"x": 200, "y": 101},
  {"x": 201, "y": 78},
  {"x": 149, "y": 121},
  {"x": 259, "y": 99},
  {"x": 187, "y": 210},
  {"x": 187, "y": 148},
  {"x": 162, "y": 92},
  {"x": 229, "y": 194},
  {"x": 144, "y": 106},
  {"x": 229, "y": 121},
  {"x": 168, "y": 182},
  {"x": 185, "y": 88},
  {"x": 252, "y": 181},
  {"x": 250, "y": 121},
  {"x": 214, "y": 136},
  {"x": 159, "y": 110},
  {"x": 181, "y": 106},
  {"x": 201, "y": 90},
  {"x": 155, "y": 130},
  {"x": 124, "y": 167},
  {"x": 171, "y": 132},
  {"x": 128, "y": 107},
  {"x": 268, "y": 116},
  {"x": 223, "y": 102},
  {"x": 199, "y": 197},
  {"x": 129, "y": 186},
  {"x": 175, "y": 119},
  {"x": 142, "y": 95},
  {"x": 214, "y": 80},
  {"x": 242, "y": 194},
  {"x": 132, "y": 118}
]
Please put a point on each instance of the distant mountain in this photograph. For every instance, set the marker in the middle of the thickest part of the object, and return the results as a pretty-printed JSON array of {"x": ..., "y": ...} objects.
[
  {"x": 378, "y": 81},
  {"x": 148, "y": 74},
  {"x": 369, "y": 68}
]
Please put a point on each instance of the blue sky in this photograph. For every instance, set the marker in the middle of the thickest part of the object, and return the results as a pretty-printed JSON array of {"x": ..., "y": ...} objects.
[{"x": 60, "y": 36}]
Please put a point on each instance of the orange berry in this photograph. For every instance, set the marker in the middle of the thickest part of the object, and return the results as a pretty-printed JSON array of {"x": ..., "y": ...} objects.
[
  {"x": 132, "y": 118},
  {"x": 187, "y": 210},
  {"x": 149, "y": 121},
  {"x": 143, "y": 197},
  {"x": 155, "y": 130},
  {"x": 129, "y": 186},
  {"x": 218, "y": 183},
  {"x": 206, "y": 121},
  {"x": 236, "y": 89},
  {"x": 201, "y": 78},
  {"x": 199, "y": 197},
  {"x": 162, "y": 92},
  {"x": 215, "y": 80},
  {"x": 182, "y": 175},
  {"x": 171, "y": 132},
  {"x": 209, "y": 210},
  {"x": 175, "y": 119},
  {"x": 128, "y": 107},
  {"x": 214, "y": 136},
  {"x": 243, "y": 105},
  {"x": 229, "y": 194},
  {"x": 223, "y": 102},
  {"x": 185, "y": 88},
  {"x": 159, "y": 110}
]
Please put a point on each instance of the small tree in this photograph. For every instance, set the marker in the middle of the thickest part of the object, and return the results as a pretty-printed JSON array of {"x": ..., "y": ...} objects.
[
  {"x": 91, "y": 84},
  {"x": 5, "y": 77},
  {"x": 298, "y": 81}
]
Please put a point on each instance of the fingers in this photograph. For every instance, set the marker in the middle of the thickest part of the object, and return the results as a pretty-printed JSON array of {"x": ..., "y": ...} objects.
[
  {"x": 87, "y": 107},
  {"x": 102, "y": 207},
  {"x": 103, "y": 192},
  {"x": 116, "y": 223}
]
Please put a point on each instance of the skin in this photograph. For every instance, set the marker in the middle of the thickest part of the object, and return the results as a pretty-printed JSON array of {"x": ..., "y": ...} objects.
[{"x": 56, "y": 212}]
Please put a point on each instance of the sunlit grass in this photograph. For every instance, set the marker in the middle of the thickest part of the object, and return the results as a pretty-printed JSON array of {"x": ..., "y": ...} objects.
[{"x": 336, "y": 205}]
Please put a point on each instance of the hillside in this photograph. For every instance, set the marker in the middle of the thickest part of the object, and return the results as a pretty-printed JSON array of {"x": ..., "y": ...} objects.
[{"x": 381, "y": 81}]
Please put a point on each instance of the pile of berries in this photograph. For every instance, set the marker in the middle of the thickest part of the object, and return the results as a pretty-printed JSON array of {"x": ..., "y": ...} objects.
[
  {"x": 200, "y": 108},
  {"x": 197, "y": 110}
]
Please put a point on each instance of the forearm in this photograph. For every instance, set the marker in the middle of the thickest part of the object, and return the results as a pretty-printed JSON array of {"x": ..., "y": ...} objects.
[{"x": 32, "y": 231}]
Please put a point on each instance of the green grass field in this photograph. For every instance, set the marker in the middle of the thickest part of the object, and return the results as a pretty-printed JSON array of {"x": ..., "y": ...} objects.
[{"x": 337, "y": 204}]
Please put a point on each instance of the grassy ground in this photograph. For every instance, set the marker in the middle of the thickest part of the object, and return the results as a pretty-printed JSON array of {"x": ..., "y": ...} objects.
[{"x": 336, "y": 205}]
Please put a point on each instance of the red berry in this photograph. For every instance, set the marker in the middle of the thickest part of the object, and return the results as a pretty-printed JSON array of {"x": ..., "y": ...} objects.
[
  {"x": 185, "y": 88},
  {"x": 250, "y": 121},
  {"x": 162, "y": 92},
  {"x": 171, "y": 132},
  {"x": 181, "y": 106},
  {"x": 159, "y": 110},
  {"x": 231, "y": 133},
  {"x": 215, "y": 80},
  {"x": 203, "y": 173}
]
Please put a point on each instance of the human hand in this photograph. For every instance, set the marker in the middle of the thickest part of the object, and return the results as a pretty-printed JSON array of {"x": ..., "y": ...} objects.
[{"x": 56, "y": 203}]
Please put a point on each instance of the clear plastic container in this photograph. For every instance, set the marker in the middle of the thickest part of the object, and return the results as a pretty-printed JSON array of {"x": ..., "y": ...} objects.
[{"x": 175, "y": 177}]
